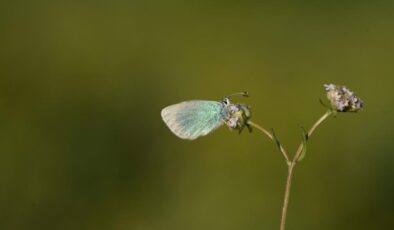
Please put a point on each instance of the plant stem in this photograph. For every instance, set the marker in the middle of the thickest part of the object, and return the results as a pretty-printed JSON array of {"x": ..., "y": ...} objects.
[
  {"x": 282, "y": 150},
  {"x": 291, "y": 167},
  {"x": 311, "y": 130},
  {"x": 287, "y": 195},
  {"x": 292, "y": 163}
]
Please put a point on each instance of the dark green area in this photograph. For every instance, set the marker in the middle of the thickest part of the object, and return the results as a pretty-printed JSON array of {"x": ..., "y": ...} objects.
[{"x": 82, "y": 144}]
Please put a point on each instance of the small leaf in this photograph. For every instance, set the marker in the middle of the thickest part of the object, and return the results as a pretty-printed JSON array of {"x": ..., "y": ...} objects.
[
  {"x": 305, "y": 134},
  {"x": 249, "y": 128},
  {"x": 304, "y": 140},
  {"x": 324, "y": 104},
  {"x": 277, "y": 143}
]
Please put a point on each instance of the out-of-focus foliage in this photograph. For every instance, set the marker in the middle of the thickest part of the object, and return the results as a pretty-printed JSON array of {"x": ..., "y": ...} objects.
[{"x": 82, "y": 144}]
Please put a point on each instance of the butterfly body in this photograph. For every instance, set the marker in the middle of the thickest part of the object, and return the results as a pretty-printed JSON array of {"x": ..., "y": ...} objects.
[{"x": 192, "y": 119}]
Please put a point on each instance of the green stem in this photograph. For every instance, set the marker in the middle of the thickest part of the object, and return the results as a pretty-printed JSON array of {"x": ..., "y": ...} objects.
[
  {"x": 287, "y": 195},
  {"x": 282, "y": 150},
  {"x": 311, "y": 130},
  {"x": 290, "y": 164}
]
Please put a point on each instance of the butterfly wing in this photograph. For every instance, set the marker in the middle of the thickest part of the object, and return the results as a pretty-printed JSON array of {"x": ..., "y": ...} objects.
[{"x": 192, "y": 119}]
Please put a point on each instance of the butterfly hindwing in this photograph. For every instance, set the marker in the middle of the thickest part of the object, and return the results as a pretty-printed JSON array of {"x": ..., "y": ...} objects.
[{"x": 192, "y": 119}]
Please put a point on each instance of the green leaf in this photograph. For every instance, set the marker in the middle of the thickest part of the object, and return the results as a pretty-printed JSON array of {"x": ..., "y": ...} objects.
[
  {"x": 277, "y": 143},
  {"x": 304, "y": 140},
  {"x": 324, "y": 104}
]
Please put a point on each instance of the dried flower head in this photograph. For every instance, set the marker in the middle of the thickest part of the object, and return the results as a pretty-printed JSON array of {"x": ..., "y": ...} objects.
[
  {"x": 343, "y": 99},
  {"x": 239, "y": 116}
]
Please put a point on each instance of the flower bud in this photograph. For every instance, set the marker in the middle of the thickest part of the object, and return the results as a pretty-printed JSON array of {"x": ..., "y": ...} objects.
[{"x": 343, "y": 99}]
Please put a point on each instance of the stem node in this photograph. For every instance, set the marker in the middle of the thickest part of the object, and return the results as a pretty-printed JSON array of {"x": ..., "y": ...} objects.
[{"x": 290, "y": 163}]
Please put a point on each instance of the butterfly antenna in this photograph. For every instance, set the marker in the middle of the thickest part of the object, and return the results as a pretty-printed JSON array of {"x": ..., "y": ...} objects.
[{"x": 243, "y": 94}]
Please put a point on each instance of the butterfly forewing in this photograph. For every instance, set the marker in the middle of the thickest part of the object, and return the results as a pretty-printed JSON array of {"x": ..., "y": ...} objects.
[{"x": 192, "y": 119}]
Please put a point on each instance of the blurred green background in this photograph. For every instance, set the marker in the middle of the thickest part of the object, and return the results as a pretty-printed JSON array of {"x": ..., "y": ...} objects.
[{"x": 83, "y": 146}]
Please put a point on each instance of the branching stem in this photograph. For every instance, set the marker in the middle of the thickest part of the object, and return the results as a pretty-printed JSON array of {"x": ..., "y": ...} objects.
[
  {"x": 292, "y": 163},
  {"x": 282, "y": 149},
  {"x": 311, "y": 130}
]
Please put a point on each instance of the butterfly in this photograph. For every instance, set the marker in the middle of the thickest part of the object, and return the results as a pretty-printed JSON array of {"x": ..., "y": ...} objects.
[{"x": 196, "y": 118}]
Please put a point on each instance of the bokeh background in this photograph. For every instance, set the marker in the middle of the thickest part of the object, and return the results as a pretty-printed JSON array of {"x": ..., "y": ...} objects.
[{"x": 83, "y": 146}]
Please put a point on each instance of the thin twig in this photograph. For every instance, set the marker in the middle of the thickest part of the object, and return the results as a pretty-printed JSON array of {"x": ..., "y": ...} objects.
[
  {"x": 311, "y": 130},
  {"x": 282, "y": 150},
  {"x": 290, "y": 164},
  {"x": 291, "y": 167},
  {"x": 287, "y": 195}
]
